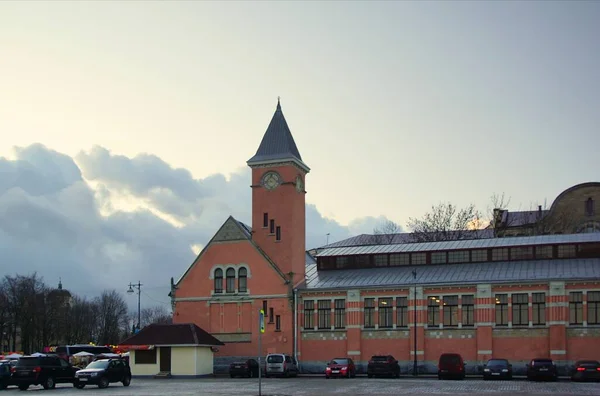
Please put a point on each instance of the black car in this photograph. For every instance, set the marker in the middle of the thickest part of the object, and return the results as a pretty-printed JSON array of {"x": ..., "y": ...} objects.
[
  {"x": 4, "y": 375},
  {"x": 42, "y": 370},
  {"x": 586, "y": 370},
  {"x": 542, "y": 369},
  {"x": 249, "y": 368},
  {"x": 102, "y": 373},
  {"x": 383, "y": 365},
  {"x": 497, "y": 369}
]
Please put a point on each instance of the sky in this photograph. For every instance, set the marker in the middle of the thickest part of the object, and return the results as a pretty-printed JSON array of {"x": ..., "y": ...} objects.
[{"x": 126, "y": 125}]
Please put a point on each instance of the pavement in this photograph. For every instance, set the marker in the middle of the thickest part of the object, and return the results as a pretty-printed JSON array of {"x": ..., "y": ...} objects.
[{"x": 314, "y": 386}]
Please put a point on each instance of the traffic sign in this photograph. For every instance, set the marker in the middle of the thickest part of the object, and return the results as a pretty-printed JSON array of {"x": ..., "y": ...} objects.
[{"x": 262, "y": 321}]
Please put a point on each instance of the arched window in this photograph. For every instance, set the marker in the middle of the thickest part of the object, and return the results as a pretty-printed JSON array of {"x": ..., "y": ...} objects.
[
  {"x": 218, "y": 280},
  {"x": 230, "y": 280},
  {"x": 243, "y": 280}
]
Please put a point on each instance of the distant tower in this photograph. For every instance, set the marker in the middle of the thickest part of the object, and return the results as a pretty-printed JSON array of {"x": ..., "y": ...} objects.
[{"x": 278, "y": 198}]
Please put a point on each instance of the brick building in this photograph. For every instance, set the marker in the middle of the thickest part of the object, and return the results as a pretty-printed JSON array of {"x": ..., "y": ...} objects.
[{"x": 516, "y": 297}]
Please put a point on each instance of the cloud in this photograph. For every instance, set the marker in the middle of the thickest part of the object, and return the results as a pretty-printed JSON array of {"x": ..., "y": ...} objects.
[{"x": 101, "y": 220}]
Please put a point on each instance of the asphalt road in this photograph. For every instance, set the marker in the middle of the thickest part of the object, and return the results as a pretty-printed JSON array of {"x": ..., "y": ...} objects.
[{"x": 322, "y": 387}]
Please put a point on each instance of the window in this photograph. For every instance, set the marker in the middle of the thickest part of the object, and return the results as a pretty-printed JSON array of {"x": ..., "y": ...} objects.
[
  {"x": 501, "y": 310},
  {"x": 340, "y": 314},
  {"x": 538, "y": 303},
  {"x": 309, "y": 307},
  {"x": 399, "y": 259},
  {"x": 566, "y": 251},
  {"x": 230, "y": 274},
  {"x": 145, "y": 357},
  {"x": 468, "y": 310},
  {"x": 218, "y": 280},
  {"x": 589, "y": 207},
  {"x": 278, "y": 233},
  {"x": 272, "y": 226},
  {"x": 593, "y": 307},
  {"x": 543, "y": 252},
  {"x": 479, "y": 255},
  {"x": 433, "y": 311},
  {"x": 520, "y": 309},
  {"x": 265, "y": 220},
  {"x": 386, "y": 312},
  {"x": 381, "y": 260},
  {"x": 271, "y": 315},
  {"x": 278, "y": 323},
  {"x": 462, "y": 256},
  {"x": 324, "y": 308},
  {"x": 576, "y": 308},
  {"x": 500, "y": 254},
  {"x": 369, "y": 312},
  {"x": 242, "y": 280},
  {"x": 265, "y": 306},
  {"x": 341, "y": 262},
  {"x": 450, "y": 307},
  {"x": 418, "y": 258},
  {"x": 401, "y": 312},
  {"x": 521, "y": 253},
  {"x": 438, "y": 258}
]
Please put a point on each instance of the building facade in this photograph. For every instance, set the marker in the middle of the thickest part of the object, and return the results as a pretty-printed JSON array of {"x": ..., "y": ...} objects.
[{"x": 515, "y": 297}]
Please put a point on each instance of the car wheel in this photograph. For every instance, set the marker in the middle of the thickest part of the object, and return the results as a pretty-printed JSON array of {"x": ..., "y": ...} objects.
[
  {"x": 23, "y": 387},
  {"x": 127, "y": 380},
  {"x": 370, "y": 375},
  {"x": 49, "y": 383},
  {"x": 326, "y": 377},
  {"x": 3, "y": 385},
  {"x": 103, "y": 383},
  {"x": 231, "y": 375},
  {"x": 440, "y": 377}
]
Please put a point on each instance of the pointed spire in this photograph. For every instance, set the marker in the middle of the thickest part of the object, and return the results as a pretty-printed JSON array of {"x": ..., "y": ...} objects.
[{"x": 277, "y": 144}]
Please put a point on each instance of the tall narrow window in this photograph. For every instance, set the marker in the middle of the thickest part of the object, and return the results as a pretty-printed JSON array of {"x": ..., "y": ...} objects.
[
  {"x": 450, "y": 304},
  {"x": 271, "y": 315},
  {"x": 230, "y": 275},
  {"x": 278, "y": 323},
  {"x": 324, "y": 311},
  {"x": 386, "y": 312},
  {"x": 218, "y": 280},
  {"x": 593, "y": 308},
  {"x": 433, "y": 311},
  {"x": 278, "y": 233},
  {"x": 401, "y": 312},
  {"x": 369, "y": 312},
  {"x": 309, "y": 308},
  {"x": 520, "y": 309},
  {"x": 589, "y": 207},
  {"x": 272, "y": 226},
  {"x": 538, "y": 305},
  {"x": 265, "y": 306},
  {"x": 576, "y": 308},
  {"x": 340, "y": 314},
  {"x": 468, "y": 310},
  {"x": 265, "y": 220},
  {"x": 243, "y": 280},
  {"x": 501, "y": 310}
]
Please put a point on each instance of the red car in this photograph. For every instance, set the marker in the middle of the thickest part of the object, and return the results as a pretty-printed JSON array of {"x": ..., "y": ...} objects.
[{"x": 340, "y": 367}]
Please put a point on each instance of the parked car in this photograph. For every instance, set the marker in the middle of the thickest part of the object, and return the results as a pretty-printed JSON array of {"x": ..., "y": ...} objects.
[
  {"x": 42, "y": 370},
  {"x": 451, "y": 365},
  {"x": 585, "y": 370},
  {"x": 102, "y": 373},
  {"x": 249, "y": 368},
  {"x": 380, "y": 365},
  {"x": 5, "y": 375},
  {"x": 497, "y": 369},
  {"x": 280, "y": 364},
  {"x": 541, "y": 369},
  {"x": 340, "y": 367}
]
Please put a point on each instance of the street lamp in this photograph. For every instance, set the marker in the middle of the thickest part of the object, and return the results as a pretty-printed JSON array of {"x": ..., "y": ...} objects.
[
  {"x": 139, "y": 291},
  {"x": 414, "y": 274}
]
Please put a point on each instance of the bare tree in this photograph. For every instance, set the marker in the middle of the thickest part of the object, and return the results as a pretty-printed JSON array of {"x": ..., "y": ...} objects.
[
  {"x": 384, "y": 233},
  {"x": 112, "y": 317},
  {"x": 157, "y": 314},
  {"x": 445, "y": 222}
]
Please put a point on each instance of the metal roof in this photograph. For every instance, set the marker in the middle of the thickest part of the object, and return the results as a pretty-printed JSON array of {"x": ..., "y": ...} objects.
[
  {"x": 462, "y": 244},
  {"x": 455, "y": 274}
]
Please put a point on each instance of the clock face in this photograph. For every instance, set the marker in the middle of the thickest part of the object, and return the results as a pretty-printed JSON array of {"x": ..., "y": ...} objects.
[
  {"x": 271, "y": 180},
  {"x": 299, "y": 184}
]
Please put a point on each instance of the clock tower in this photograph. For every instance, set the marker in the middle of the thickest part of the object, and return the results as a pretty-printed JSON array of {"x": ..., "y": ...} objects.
[{"x": 278, "y": 198}]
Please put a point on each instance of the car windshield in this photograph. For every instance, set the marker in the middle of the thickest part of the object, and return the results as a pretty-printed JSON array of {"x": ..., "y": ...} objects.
[
  {"x": 100, "y": 364},
  {"x": 452, "y": 359},
  {"x": 497, "y": 362},
  {"x": 28, "y": 362},
  {"x": 339, "y": 361},
  {"x": 275, "y": 359}
]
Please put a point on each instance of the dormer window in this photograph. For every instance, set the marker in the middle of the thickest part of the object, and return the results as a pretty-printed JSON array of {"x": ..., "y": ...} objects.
[
  {"x": 230, "y": 274},
  {"x": 589, "y": 207},
  {"x": 218, "y": 280},
  {"x": 243, "y": 280}
]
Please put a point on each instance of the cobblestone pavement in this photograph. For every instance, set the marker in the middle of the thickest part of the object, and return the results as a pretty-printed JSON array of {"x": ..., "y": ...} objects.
[{"x": 321, "y": 387}]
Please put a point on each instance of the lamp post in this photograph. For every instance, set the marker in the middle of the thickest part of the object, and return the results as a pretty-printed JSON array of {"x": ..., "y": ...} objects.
[
  {"x": 414, "y": 273},
  {"x": 139, "y": 291},
  {"x": 327, "y": 243}
]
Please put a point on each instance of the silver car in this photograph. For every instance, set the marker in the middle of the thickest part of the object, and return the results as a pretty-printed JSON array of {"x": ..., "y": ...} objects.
[{"x": 280, "y": 364}]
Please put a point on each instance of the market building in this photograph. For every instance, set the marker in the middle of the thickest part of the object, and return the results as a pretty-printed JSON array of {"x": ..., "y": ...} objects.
[{"x": 517, "y": 290}]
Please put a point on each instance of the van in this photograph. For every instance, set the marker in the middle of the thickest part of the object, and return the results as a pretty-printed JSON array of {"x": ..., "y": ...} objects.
[
  {"x": 281, "y": 364},
  {"x": 451, "y": 365}
]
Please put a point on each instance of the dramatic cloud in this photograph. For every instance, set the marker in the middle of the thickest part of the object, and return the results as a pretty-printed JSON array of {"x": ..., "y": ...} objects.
[{"x": 102, "y": 220}]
